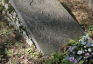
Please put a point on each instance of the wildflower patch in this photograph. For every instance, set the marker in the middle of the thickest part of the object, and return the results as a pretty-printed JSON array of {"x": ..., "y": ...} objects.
[{"x": 83, "y": 51}]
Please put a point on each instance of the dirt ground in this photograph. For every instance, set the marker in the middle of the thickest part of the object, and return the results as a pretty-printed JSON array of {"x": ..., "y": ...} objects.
[
  {"x": 13, "y": 48},
  {"x": 80, "y": 11}
]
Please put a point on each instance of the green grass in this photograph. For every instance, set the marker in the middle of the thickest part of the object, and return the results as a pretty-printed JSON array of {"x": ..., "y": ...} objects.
[
  {"x": 0, "y": 1},
  {"x": 8, "y": 52},
  {"x": 90, "y": 28},
  {"x": 5, "y": 32}
]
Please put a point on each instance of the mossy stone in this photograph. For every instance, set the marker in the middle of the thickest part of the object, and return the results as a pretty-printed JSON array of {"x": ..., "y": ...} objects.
[
  {"x": 22, "y": 27},
  {"x": 10, "y": 8},
  {"x": 6, "y": 1}
]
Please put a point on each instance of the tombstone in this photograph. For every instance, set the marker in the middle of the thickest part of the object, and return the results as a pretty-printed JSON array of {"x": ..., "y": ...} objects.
[
  {"x": 90, "y": 3},
  {"x": 48, "y": 23}
]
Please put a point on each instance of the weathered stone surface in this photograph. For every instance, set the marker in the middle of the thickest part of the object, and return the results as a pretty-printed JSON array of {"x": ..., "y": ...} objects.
[
  {"x": 90, "y": 4},
  {"x": 48, "y": 23}
]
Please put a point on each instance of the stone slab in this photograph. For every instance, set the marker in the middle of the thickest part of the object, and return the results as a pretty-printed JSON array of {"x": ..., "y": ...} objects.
[{"x": 48, "y": 23}]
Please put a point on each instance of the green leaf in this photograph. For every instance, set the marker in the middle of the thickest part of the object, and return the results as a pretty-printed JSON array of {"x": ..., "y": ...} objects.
[
  {"x": 79, "y": 58},
  {"x": 49, "y": 62},
  {"x": 52, "y": 57},
  {"x": 91, "y": 29},
  {"x": 63, "y": 60},
  {"x": 36, "y": 53},
  {"x": 69, "y": 44},
  {"x": 78, "y": 38},
  {"x": 58, "y": 54},
  {"x": 91, "y": 60},
  {"x": 91, "y": 53},
  {"x": 32, "y": 56},
  {"x": 77, "y": 42},
  {"x": 74, "y": 47},
  {"x": 71, "y": 41},
  {"x": 81, "y": 61},
  {"x": 0, "y": 8},
  {"x": 65, "y": 53},
  {"x": 44, "y": 63},
  {"x": 52, "y": 54}
]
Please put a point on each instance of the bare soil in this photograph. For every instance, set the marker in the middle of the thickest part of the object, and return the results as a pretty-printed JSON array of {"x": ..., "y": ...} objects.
[
  {"x": 13, "y": 48},
  {"x": 81, "y": 12}
]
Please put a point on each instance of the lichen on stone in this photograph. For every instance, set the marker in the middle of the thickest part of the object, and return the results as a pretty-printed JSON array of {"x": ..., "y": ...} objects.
[
  {"x": 6, "y": 1},
  {"x": 22, "y": 27},
  {"x": 10, "y": 8},
  {"x": 2, "y": 8},
  {"x": 20, "y": 22}
]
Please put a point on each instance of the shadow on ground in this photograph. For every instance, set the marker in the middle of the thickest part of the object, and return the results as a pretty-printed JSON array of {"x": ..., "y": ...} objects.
[
  {"x": 3, "y": 55},
  {"x": 9, "y": 38},
  {"x": 69, "y": 10}
]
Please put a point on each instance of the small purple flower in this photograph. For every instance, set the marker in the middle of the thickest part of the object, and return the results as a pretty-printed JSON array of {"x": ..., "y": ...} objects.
[
  {"x": 71, "y": 59},
  {"x": 89, "y": 43},
  {"x": 75, "y": 61},
  {"x": 84, "y": 57},
  {"x": 87, "y": 54},
  {"x": 70, "y": 48},
  {"x": 67, "y": 52},
  {"x": 88, "y": 38}
]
